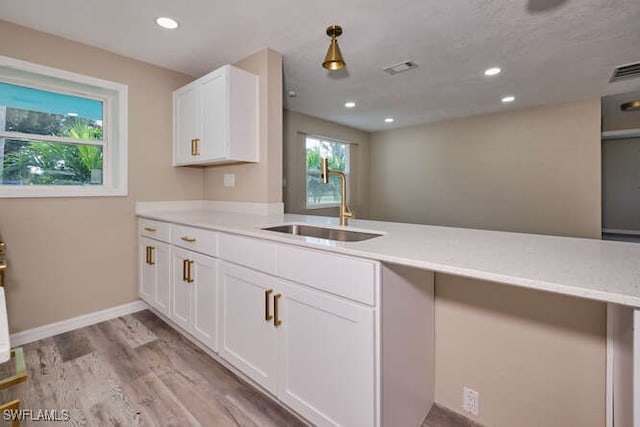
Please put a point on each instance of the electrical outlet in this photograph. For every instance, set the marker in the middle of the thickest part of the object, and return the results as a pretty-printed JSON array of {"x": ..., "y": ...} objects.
[
  {"x": 470, "y": 401},
  {"x": 229, "y": 179}
]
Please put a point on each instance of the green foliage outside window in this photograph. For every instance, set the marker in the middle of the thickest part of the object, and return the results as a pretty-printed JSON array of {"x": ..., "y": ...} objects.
[
  {"x": 337, "y": 155},
  {"x": 33, "y": 162}
]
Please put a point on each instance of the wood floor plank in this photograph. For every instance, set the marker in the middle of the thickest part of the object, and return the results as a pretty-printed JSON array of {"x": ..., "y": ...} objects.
[
  {"x": 118, "y": 354},
  {"x": 133, "y": 332},
  {"x": 49, "y": 385},
  {"x": 156, "y": 404},
  {"x": 73, "y": 344}
]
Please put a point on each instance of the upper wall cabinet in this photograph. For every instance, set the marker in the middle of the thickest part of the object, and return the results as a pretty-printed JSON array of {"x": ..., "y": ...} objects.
[{"x": 215, "y": 119}]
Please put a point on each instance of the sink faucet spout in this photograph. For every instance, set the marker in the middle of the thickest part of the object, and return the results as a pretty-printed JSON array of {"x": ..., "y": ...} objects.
[{"x": 345, "y": 211}]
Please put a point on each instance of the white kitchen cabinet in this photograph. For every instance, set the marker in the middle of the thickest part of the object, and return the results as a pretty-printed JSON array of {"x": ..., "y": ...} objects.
[
  {"x": 326, "y": 357},
  {"x": 154, "y": 271},
  {"x": 215, "y": 119},
  {"x": 314, "y": 351},
  {"x": 247, "y": 337},
  {"x": 194, "y": 288}
]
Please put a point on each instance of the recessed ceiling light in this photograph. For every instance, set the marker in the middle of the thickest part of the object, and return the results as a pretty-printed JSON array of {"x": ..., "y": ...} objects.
[
  {"x": 389, "y": 120},
  {"x": 492, "y": 71},
  {"x": 349, "y": 104},
  {"x": 168, "y": 23},
  {"x": 509, "y": 98},
  {"x": 72, "y": 114}
]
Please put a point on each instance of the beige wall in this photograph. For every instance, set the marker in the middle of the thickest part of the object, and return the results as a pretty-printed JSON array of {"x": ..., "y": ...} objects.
[
  {"x": 537, "y": 359},
  {"x": 535, "y": 170},
  {"x": 257, "y": 182},
  {"x": 71, "y": 256},
  {"x": 296, "y": 124}
]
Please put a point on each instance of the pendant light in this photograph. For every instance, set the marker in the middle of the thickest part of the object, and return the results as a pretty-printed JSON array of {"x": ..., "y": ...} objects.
[{"x": 334, "y": 61}]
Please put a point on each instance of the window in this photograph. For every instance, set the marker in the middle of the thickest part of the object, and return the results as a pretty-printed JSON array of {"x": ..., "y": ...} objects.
[
  {"x": 319, "y": 195},
  {"x": 61, "y": 134}
]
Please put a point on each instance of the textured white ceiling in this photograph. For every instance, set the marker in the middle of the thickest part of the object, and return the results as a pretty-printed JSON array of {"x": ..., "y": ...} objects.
[{"x": 549, "y": 50}]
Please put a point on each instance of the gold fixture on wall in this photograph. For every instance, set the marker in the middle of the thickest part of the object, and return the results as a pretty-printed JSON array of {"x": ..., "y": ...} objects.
[
  {"x": 333, "y": 60},
  {"x": 631, "y": 106}
]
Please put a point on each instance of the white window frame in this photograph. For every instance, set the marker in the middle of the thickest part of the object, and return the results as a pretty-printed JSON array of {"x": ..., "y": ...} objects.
[
  {"x": 311, "y": 206},
  {"x": 114, "y": 142}
]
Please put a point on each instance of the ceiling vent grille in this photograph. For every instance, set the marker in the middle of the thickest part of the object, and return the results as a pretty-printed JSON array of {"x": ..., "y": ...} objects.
[
  {"x": 624, "y": 72},
  {"x": 400, "y": 68}
]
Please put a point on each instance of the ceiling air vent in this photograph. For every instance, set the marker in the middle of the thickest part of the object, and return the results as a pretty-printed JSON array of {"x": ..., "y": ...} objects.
[
  {"x": 400, "y": 68},
  {"x": 624, "y": 72}
]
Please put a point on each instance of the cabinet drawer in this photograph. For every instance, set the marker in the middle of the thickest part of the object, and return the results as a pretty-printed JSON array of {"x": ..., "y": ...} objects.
[
  {"x": 195, "y": 239},
  {"x": 253, "y": 253},
  {"x": 351, "y": 278},
  {"x": 155, "y": 229}
]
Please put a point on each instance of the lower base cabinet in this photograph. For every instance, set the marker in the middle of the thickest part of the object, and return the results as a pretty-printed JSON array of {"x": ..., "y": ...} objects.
[
  {"x": 340, "y": 340},
  {"x": 314, "y": 351},
  {"x": 194, "y": 294},
  {"x": 154, "y": 272}
]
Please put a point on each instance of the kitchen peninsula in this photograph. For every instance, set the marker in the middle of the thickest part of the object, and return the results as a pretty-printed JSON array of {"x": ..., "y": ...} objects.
[{"x": 587, "y": 268}]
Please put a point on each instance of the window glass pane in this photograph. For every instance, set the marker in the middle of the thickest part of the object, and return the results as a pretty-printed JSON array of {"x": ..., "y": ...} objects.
[
  {"x": 28, "y": 162},
  {"x": 42, "y": 112},
  {"x": 337, "y": 155},
  {"x": 322, "y": 194}
]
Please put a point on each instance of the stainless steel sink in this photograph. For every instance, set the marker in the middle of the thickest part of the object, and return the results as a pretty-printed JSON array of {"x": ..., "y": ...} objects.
[{"x": 323, "y": 233}]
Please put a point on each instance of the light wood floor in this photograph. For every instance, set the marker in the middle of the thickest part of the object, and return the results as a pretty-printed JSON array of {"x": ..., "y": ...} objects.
[{"x": 136, "y": 370}]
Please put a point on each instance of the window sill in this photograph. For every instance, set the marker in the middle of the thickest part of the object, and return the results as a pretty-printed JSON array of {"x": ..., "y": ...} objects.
[{"x": 60, "y": 191}]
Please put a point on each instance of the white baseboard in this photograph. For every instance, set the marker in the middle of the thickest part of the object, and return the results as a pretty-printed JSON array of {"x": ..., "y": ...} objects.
[{"x": 35, "y": 334}]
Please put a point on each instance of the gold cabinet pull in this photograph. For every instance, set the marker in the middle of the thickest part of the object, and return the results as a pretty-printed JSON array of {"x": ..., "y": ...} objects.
[
  {"x": 194, "y": 147},
  {"x": 267, "y": 295},
  {"x": 184, "y": 269},
  {"x": 189, "y": 278},
  {"x": 150, "y": 255},
  {"x": 188, "y": 239},
  {"x": 3, "y": 268},
  {"x": 276, "y": 315},
  {"x": 146, "y": 260},
  {"x": 3, "y": 248},
  {"x": 151, "y": 229}
]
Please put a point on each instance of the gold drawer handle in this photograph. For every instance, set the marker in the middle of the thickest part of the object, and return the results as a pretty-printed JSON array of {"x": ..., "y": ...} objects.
[
  {"x": 267, "y": 315},
  {"x": 151, "y": 229},
  {"x": 188, "y": 239},
  {"x": 276, "y": 315}
]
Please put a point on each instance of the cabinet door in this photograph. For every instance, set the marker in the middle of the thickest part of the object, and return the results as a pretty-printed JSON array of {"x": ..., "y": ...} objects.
[
  {"x": 215, "y": 117},
  {"x": 187, "y": 122},
  {"x": 160, "y": 256},
  {"x": 147, "y": 272},
  {"x": 182, "y": 289},
  {"x": 204, "y": 274},
  {"x": 247, "y": 335},
  {"x": 326, "y": 363}
]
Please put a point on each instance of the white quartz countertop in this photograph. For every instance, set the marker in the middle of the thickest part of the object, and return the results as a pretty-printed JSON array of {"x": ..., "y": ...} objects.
[{"x": 589, "y": 268}]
